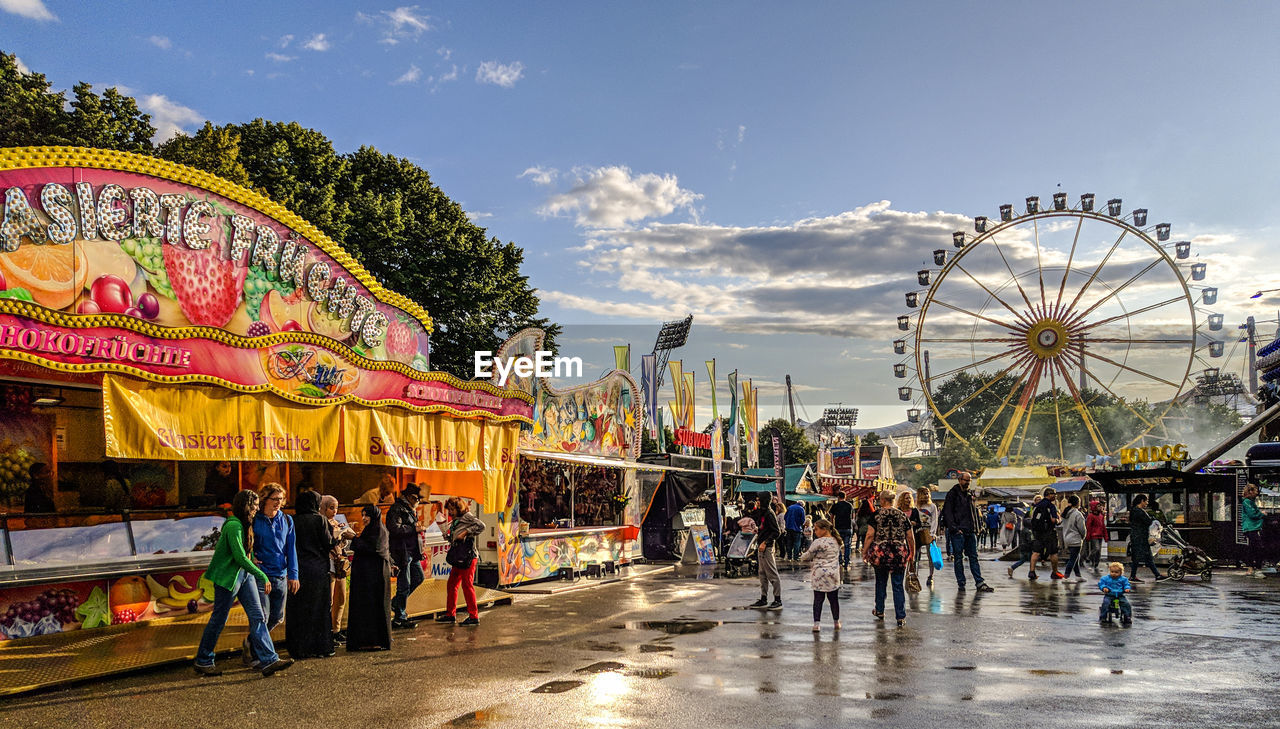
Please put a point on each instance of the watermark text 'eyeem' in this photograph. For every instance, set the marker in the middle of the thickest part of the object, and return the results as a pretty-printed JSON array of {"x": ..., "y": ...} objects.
[{"x": 541, "y": 364}]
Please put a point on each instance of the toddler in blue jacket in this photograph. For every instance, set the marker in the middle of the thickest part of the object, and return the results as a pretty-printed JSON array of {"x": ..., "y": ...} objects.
[{"x": 1115, "y": 584}]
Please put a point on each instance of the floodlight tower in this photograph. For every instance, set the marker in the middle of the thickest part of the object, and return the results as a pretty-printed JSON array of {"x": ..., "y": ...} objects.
[
  {"x": 673, "y": 335},
  {"x": 840, "y": 417}
]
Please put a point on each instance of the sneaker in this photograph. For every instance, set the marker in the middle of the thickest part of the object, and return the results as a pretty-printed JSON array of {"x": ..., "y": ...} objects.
[
  {"x": 1010, "y": 571},
  {"x": 1126, "y": 622},
  {"x": 1032, "y": 576},
  {"x": 279, "y": 665},
  {"x": 837, "y": 625},
  {"x": 1136, "y": 579},
  {"x": 1163, "y": 578},
  {"x": 777, "y": 603},
  {"x": 401, "y": 624},
  {"x": 339, "y": 637},
  {"x": 817, "y": 627},
  {"x": 1058, "y": 576},
  {"x": 209, "y": 670},
  {"x": 960, "y": 587},
  {"x": 984, "y": 587},
  {"x": 1258, "y": 576},
  {"x": 902, "y": 622},
  {"x": 469, "y": 622},
  {"x": 762, "y": 602},
  {"x": 445, "y": 618}
]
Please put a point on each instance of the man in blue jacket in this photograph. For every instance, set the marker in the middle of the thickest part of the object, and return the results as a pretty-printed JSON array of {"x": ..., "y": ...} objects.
[
  {"x": 961, "y": 518},
  {"x": 795, "y": 531},
  {"x": 273, "y": 550}
]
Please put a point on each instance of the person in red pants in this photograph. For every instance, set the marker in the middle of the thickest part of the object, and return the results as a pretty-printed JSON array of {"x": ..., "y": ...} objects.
[{"x": 461, "y": 532}]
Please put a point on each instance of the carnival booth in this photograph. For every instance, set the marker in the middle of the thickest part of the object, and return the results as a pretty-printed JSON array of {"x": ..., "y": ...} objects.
[
  {"x": 1202, "y": 506},
  {"x": 573, "y": 506},
  {"x": 168, "y": 338}
]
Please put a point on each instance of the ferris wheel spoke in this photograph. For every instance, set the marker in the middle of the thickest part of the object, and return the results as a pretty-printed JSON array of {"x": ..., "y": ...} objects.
[
  {"x": 1057, "y": 412},
  {"x": 998, "y": 376},
  {"x": 1044, "y": 304},
  {"x": 1120, "y": 288},
  {"x": 1019, "y": 315},
  {"x": 1088, "y": 373},
  {"x": 1093, "y": 276},
  {"x": 973, "y": 314},
  {"x": 1004, "y": 340},
  {"x": 1020, "y": 410},
  {"x": 1128, "y": 315},
  {"x": 1014, "y": 276},
  {"x": 1121, "y": 365},
  {"x": 1081, "y": 407},
  {"x": 1017, "y": 386},
  {"x": 1070, "y": 257},
  {"x": 1122, "y": 340},
  {"x": 971, "y": 365}
]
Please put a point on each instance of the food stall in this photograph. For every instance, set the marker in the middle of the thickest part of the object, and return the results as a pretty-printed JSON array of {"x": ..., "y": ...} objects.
[
  {"x": 1202, "y": 506},
  {"x": 166, "y": 339},
  {"x": 573, "y": 506}
]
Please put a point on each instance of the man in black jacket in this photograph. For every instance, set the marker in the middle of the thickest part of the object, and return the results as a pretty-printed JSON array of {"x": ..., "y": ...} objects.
[
  {"x": 767, "y": 535},
  {"x": 961, "y": 518},
  {"x": 842, "y": 515},
  {"x": 406, "y": 552}
]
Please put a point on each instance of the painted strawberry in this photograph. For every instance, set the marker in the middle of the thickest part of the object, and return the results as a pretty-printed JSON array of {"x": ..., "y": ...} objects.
[
  {"x": 400, "y": 342},
  {"x": 208, "y": 287}
]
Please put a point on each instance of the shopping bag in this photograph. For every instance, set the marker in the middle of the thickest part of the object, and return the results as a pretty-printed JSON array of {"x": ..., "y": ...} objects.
[{"x": 935, "y": 556}]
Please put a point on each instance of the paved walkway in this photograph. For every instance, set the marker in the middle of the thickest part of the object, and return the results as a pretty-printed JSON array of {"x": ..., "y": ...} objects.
[{"x": 676, "y": 650}]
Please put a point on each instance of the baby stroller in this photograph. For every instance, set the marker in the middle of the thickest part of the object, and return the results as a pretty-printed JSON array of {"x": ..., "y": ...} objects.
[
  {"x": 1187, "y": 559},
  {"x": 740, "y": 560}
]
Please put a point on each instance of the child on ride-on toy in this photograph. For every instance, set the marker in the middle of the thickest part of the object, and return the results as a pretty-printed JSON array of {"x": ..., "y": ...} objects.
[{"x": 1114, "y": 586}]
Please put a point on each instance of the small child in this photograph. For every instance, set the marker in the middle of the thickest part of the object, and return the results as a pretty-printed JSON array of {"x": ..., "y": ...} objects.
[
  {"x": 807, "y": 531},
  {"x": 824, "y": 575},
  {"x": 1115, "y": 584}
]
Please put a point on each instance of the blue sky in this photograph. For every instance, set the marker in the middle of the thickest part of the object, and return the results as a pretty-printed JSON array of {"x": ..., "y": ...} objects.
[{"x": 779, "y": 170}]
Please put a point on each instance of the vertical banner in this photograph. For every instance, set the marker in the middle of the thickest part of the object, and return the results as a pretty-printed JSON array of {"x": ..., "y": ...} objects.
[
  {"x": 711, "y": 370},
  {"x": 662, "y": 434},
  {"x": 677, "y": 384},
  {"x": 689, "y": 401},
  {"x": 749, "y": 425},
  {"x": 735, "y": 453},
  {"x": 648, "y": 378},
  {"x": 622, "y": 357},
  {"x": 779, "y": 469}
]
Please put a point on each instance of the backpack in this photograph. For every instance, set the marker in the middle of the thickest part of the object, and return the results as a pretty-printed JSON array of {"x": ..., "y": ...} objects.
[{"x": 1040, "y": 520}]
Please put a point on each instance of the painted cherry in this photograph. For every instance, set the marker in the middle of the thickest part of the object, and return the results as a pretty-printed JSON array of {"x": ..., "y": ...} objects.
[
  {"x": 134, "y": 312},
  {"x": 88, "y": 307},
  {"x": 150, "y": 305},
  {"x": 291, "y": 326},
  {"x": 111, "y": 294}
]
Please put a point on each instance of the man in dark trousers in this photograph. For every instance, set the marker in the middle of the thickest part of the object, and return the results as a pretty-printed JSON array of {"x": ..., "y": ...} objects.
[
  {"x": 961, "y": 518},
  {"x": 767, "y": 534},
  {"x": 406, "y": 552},
  {"x": 842, "y": 516}
]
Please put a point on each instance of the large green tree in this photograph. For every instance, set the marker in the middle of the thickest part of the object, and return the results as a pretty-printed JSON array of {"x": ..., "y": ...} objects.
[{"x": 796, "y": 446}]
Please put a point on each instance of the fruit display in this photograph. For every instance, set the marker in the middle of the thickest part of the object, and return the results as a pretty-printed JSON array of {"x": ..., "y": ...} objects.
[
  {"x": 51, "y": 274},
  {"x": 179, "y": 596},
  {"x": 52, "y": 611},
  {"x": 128, "y": 598},
  {"x": 15, "y": 469}
]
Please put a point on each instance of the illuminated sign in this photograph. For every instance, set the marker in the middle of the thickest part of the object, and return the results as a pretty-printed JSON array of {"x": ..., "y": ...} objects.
[
  {"x": 1154, "y": 454},
  {"x": 692, "y": 438}
]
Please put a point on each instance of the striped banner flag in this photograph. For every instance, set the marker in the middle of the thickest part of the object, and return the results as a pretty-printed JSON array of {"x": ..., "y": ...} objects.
[{"x": 648, "y": 376}]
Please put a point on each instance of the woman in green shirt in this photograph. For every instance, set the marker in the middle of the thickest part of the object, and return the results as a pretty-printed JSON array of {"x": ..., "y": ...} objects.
[
  {"x": 1251, "y": 526},
  {"x": 233, "y": 574}
]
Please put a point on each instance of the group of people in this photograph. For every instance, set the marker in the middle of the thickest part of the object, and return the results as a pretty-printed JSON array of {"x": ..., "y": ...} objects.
[{"x": 296, "y": 570}]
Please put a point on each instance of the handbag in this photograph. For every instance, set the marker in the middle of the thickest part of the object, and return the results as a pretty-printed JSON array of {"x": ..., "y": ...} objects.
[
  {"x": 461, "y": 552},
  {"x": 935, "y": 555},
  {"x": 913, "y": 582}
]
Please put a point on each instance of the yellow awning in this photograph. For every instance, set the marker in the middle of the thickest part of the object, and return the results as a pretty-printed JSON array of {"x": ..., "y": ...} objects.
[{"x": 1014, "y": 476}]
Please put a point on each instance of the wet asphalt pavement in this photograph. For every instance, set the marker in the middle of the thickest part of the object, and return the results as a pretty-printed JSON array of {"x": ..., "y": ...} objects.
[{"x": 676, "y": 650}]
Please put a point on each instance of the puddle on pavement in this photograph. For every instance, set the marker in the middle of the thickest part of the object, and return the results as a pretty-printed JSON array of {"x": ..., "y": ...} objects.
[
  {"x": 601, "y": 667},
  {"x": 677, "y": 627},
  {"x": 557, "y": 687},
  {"x": 1049, "y": 672},
  {"x": 883, "y": 712},
  {"x": 651, "y": 648},
  {"x": 886, "y": 696},
  {"x": 962, "y": 668},
  {"x": 651, "y": 672},
  {"x": 604, "y": 647},
  {"x": 540, "y": 670},
  {"x": 475, "y": 718},
  {"x": 1117, "y": 671},
  {"x": 767, "y": 688}
]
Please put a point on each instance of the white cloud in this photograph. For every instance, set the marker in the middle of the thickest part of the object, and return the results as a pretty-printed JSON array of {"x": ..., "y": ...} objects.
[
  {"x": 500, "y": 74},
  {"x": 540, "y": 175},
  {"x": 612, "y": 197},
  {"x": 280, "y": 57},
  {"x": 403, "y": 23},
  {"x": 168, "y": 117},
  {"x": 742, "y": 133},
  {"x": 317, "y": 42},
  {"x": 22, "y": 67},
  {"x": 444, "y": 53},
  {"x": 285, "y": 40},
  {"x": 160, "y": 41},
  {"x": 32, "y": 9},
  {"x": 408, "y": 77}
]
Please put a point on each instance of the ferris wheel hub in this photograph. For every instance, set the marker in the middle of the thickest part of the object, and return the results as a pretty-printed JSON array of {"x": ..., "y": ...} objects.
[{"x": 1047, "y": 338}]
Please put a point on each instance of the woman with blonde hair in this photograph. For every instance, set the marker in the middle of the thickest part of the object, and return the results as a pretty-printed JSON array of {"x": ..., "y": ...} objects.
[
  {"x": 461, "y": 533},
  {"x": 927, "y": 515}
]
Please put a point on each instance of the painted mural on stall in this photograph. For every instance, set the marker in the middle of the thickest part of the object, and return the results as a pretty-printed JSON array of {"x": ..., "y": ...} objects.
[{"x": 521, "y": 560}]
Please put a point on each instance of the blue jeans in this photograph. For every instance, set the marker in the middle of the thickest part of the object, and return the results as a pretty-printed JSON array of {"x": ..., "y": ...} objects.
[
  {"x": 273, "y": 605},
  {"x": 259, "y": 636},
  {"x": 1073, "y": 561},
  {"x": 964, "y": 544},
  {"x": 406, "y": 582},
  {"x": 846, "y": 535},
  {"x": 883, "y": 576},
  {"x": 1126, "y": 610}
]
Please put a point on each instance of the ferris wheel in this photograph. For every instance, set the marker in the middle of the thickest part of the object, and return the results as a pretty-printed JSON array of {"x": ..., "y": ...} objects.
[{"x": 1057, "y": 332}]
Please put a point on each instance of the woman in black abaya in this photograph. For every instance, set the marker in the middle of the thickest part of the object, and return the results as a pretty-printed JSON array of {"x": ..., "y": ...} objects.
[
  {"x": 369, "y": 605},
  {"x": 306, "y": 615}
]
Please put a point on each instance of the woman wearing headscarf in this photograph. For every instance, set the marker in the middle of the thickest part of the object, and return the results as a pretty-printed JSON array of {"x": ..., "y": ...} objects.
[
  {"x": 369, "y": 604},
  {"x": 234, "y": 576},
  {"x": 306, "y": 617}
]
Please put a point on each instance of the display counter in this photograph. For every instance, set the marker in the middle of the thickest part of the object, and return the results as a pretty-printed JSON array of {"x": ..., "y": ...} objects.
[{"x": 538, "y": 554}]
